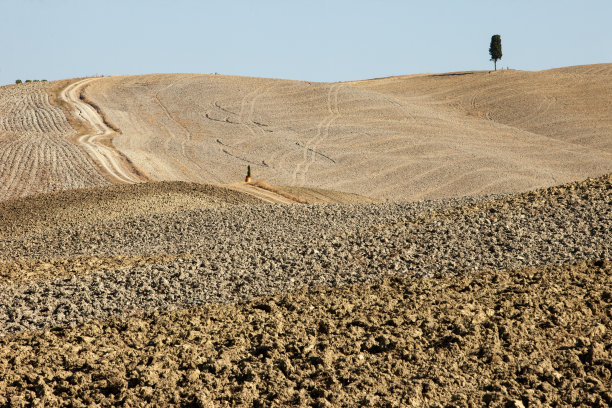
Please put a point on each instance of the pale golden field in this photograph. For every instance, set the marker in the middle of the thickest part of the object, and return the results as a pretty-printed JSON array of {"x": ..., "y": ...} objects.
[{"x": 404, "y": 138}]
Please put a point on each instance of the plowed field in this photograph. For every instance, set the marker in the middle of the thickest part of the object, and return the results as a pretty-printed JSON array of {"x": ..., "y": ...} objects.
[
  {"x": 499, "y": 302},
  {"x": 138, "y": 269},
  {"x": 37, "y": 153}
]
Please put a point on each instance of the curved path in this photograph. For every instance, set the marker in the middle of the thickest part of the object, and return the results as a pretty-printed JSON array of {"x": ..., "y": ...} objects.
[
  {"x": 98, "y": 143},
  {"x": 311, "y": 146},
  {"x": 261, "y": 193}
]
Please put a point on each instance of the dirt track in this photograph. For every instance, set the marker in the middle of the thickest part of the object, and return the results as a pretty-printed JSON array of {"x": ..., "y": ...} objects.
[
  {"x": 97, "y": 142},
  {"x": 266, "y": 196},
  {"x": 37, "y": 154}
]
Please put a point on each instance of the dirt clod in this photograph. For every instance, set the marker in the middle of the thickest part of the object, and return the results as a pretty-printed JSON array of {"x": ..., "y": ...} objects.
[{"x": 241, "y": 355}]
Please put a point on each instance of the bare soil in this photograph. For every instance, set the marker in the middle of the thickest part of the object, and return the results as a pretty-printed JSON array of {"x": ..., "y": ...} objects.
[
  {"x": 37, "y": 154},
  {"x": 323, "y": 196},
  {"x": 235, "y": 304},
  {"x": 405, "y": 138},
  {"x": 570, "y": 104},
  {"x": 400, "y": 138},
  {"x": 524, "y": 338},
  {"x": 97, "y": 139},
  {"x": 329, "y": 282}
]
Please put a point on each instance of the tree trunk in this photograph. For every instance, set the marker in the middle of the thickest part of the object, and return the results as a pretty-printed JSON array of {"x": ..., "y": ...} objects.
[{"x": 495, "y": 62}]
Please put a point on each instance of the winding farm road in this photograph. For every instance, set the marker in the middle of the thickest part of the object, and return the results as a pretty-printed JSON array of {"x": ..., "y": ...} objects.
[{"x": 97, "y": 143}]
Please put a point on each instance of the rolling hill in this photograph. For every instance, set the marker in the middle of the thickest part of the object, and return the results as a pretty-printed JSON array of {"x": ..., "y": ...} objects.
[
  {"x": 372, "y": 261},
  {"x": 400, "y": 138}
]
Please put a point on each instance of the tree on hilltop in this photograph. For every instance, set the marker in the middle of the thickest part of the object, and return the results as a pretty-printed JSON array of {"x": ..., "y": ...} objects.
[{"x": 495, "y": 49}]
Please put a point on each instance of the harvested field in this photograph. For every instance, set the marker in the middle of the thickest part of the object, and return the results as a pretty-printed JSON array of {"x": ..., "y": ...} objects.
[
  {"x": 568, "y": 104},
  {"x": 36, "y": 151},
  {"x": 401, "y": 138}
]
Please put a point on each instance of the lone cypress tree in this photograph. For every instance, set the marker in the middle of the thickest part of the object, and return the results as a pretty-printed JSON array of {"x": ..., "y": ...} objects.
[{"x": 495, "y": 49}]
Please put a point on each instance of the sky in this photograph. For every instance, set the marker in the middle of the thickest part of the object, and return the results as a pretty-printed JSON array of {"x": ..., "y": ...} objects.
[{"x": 333, "y": 40}]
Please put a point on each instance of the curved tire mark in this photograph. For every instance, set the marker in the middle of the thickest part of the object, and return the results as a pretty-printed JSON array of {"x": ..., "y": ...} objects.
[
  {"x": 111, "y": 161},
  {"x": 310, "y": 147}
]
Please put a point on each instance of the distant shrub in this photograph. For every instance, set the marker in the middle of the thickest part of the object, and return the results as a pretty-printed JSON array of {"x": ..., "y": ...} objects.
[{"x": 19, "y": 81}]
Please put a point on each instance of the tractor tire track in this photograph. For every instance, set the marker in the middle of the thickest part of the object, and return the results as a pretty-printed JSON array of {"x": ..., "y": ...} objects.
[
  {"x": 310, "y": 147},
  {"x": 110, "y": 160},
  {"x": 37, "y": 154}
]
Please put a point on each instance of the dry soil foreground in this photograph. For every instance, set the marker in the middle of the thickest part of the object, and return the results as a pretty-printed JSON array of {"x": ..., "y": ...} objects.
[
  {"x": 532, "y": 337},
  {"x": 491, "y": 301}
]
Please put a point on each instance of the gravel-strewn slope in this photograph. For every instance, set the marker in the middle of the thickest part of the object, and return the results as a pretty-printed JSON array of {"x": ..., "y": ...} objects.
[
  {"x": 235, "y": 253},
  {"x": 537, "y": 337}
]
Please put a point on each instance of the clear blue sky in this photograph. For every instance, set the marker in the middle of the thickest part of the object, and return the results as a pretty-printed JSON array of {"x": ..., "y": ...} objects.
[{"x": 312, "y": 40}]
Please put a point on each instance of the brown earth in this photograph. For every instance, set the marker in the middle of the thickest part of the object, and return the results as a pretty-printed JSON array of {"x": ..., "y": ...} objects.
[
  {"x": 97, "y": 137},
  {"x": 83, "y": 208},
  {"x": 525, "y": 338},
  {"x": 401, "y": 138},
  {"x": 25, "y": 271},
  {"x": 528, "y": 337},
  {"x": 94, "y": 205},
  {"x": 501, "y": 300},
  {"x": 323, "y": 196},
  {"x": 569, "y": 104}
]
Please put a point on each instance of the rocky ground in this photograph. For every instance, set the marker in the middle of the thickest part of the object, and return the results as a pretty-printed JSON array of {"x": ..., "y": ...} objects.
[{"x": 499, "y": 301}]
